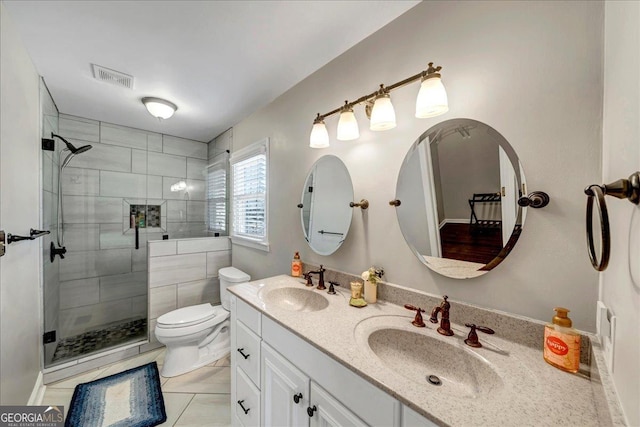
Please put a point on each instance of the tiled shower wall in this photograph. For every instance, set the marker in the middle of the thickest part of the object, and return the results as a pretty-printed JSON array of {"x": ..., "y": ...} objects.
[
  {"x": 103, "y": 278},
  {"x": 184, "y": 273}
]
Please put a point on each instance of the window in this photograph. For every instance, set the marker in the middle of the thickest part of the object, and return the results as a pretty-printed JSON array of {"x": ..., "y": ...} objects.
[
  {"x": 217, "y": 195},
  {"x": 249, "y": 202}
]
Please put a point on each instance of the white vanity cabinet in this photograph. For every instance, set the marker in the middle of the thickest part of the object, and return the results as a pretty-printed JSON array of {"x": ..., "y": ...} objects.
[
  {"x": 245, "y": 364},
  {"x": 296, "y": 384}
]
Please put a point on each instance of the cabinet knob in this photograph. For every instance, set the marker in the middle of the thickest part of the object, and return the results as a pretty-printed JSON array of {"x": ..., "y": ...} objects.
[
  {"x": 246, "y": 411},
  {"x": 311, "y": 410},
  {"x": 246, "y": 356},
  {"x": 297, "y": 397}
]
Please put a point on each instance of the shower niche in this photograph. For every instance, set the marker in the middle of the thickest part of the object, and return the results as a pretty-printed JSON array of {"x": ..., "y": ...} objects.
[{"x": 144, "y": 214}]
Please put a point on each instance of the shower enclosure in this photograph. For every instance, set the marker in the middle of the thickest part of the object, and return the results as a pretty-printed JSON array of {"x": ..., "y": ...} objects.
[{"x": 107, "y": 191}]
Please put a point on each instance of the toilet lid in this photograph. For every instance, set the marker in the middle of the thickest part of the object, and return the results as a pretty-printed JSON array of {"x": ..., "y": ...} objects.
[
  {"x": 233, "y": 275},
  {"x": 192, "y": 315}
]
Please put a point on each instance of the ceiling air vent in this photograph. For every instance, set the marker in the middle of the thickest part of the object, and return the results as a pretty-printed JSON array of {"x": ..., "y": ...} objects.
[{"x": 111, "y": 76}]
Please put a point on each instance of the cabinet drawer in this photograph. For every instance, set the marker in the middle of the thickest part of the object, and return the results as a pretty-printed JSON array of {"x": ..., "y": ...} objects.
[
  {"x": 248, "y": 352},
  {"x": 247, "y": 404},
  {"x": 249, "y": 316}
]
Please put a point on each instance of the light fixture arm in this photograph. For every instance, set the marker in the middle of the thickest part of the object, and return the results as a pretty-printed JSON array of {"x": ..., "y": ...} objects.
[{"x": 428, "y": 73}]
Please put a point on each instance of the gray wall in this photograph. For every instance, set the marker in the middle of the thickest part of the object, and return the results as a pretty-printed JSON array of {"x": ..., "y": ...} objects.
[
  {"x": 530, "y": 70},
  {"x": 620, "y": 284},
  {"x": 20, "y": 303}
]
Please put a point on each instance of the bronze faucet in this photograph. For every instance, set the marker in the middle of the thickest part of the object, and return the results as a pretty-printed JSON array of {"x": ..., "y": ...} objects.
[
  {"x": 445, "y": 324},
  {"x": 320, "y": 273}
]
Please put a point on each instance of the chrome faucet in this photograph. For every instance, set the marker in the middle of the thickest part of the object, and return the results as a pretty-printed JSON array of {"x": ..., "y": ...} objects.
[
  {"x": 445, "y": 324},
  {"x": 320, "y": 273}
]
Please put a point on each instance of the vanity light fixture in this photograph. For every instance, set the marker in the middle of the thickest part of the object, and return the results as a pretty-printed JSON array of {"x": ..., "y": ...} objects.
[
  {"x": 432, "y": 101},
  {"x": 383, "y": 116},
  {"x": 347, "y": 125},
  {"x": 319, "y": 135},
  {"x": 160, "y": 108}
]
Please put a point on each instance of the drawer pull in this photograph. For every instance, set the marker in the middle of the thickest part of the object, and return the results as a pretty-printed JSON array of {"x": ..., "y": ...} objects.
[
  {"x": 246, "y": 356},
  {"x": 246, "y": 411},
  {"x": 297, "y": 397},
  {"x": 311, "y": 410}
]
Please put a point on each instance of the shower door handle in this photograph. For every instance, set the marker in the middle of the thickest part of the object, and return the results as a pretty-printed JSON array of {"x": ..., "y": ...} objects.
[{"x": 137, "y": 237}]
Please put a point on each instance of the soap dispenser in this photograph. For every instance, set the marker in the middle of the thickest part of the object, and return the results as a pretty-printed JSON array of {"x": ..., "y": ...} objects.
[
  {"x": 562, "y": 342},
  {"x": 296, "y": 266}
]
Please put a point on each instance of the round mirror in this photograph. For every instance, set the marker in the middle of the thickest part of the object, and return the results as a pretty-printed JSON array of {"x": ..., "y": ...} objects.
[
  {"x": 324, "y": 209},
  {"x": 458, "y": 189}
]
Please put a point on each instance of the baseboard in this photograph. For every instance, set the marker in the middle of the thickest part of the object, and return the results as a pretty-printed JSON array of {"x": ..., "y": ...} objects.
[{"x": 37, "y": 394}]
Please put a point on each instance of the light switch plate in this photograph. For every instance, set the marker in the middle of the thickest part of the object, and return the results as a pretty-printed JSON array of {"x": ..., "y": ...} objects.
[{"x": 606, "y": 327}]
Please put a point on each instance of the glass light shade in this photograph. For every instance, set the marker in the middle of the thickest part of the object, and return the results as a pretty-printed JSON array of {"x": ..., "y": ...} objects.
[
  {"x": 432, "y": 99},
  {"x": 319, "y": 136},
  {"x": 383, "y": 116},
  {"x": 348, "y": 126},
  {"x": 159, "y": 108}
]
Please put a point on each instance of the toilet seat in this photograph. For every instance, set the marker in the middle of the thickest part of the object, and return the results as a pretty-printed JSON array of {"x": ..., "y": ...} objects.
[{"x": 192, "y": 316}]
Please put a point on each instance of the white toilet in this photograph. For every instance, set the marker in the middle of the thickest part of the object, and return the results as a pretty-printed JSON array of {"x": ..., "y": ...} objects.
[{"x": 198, "y": 335}]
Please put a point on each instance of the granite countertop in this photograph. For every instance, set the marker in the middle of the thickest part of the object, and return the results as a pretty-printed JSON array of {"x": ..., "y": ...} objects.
[{"x": 514, "y": 386}]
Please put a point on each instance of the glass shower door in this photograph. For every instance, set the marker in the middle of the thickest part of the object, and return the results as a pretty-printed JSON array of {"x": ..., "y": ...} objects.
[{"x": 105, "y": 219}]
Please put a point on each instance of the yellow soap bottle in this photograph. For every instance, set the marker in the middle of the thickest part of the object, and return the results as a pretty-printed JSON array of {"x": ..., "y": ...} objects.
[
  {"x": 562, "y": 342},
  {"x": 296, "y": 266}
]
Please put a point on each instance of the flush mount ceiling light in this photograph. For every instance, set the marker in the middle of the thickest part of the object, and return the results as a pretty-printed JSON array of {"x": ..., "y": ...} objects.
[
  {"x": 432, "y": 101},
  {"x": 160, "y": 108}
]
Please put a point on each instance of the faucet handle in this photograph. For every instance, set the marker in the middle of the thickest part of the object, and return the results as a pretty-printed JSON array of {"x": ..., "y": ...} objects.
[
  {"x": 472, "y": 338},
  {"x": 307, "y": 277},
  {"x": 418, "y": 319},
  {"x": 331, "y": 290}
]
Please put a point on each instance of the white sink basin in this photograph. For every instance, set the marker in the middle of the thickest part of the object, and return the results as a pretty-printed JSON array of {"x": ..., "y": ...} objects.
[
  {"x": 295, "y": 299},
  {"x": 418, "y": 357}
]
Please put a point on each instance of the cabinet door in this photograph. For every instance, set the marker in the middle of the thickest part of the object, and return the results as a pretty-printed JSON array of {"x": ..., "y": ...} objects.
[
  {"x": 285, "y": 391},
  {"x": 411, "y": 418},
  {"x": 327, "y": 411}
]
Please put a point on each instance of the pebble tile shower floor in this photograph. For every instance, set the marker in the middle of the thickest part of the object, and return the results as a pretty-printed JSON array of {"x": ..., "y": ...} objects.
[{"x": 92, "y": 341}]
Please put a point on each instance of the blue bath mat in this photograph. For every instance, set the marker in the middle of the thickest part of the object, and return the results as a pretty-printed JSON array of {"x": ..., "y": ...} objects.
[{"x": 132, "y": 398}]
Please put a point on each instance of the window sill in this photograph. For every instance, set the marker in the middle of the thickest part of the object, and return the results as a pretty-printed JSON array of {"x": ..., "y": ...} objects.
[{"x": 262, "y": 246}]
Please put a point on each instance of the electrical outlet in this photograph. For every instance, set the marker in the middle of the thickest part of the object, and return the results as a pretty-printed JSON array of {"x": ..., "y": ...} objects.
[{"x": 606, "y": 327}]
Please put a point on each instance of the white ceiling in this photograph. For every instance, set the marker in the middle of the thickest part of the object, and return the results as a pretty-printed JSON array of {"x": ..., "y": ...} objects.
[{"x": 219, "y": 61}]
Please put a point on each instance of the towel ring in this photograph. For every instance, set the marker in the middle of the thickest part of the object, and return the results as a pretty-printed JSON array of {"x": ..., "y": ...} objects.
[
  {"x": 622, "y": 189},
  {"x": 594, "y": 191}
]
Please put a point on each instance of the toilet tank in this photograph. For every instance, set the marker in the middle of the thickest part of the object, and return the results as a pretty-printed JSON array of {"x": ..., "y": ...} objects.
[{"x": 230, "y": 276}]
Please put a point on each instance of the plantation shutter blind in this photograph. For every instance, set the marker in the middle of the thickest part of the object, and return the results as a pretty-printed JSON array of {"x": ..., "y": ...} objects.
[
  {"x": 217, "y": 196},
  {"x": 249, "y": 193}
]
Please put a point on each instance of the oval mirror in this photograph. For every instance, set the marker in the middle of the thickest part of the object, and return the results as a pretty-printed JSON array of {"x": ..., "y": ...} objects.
[
  {"x": 324, "y": 209},
  {"x": 458, "y": 189}
]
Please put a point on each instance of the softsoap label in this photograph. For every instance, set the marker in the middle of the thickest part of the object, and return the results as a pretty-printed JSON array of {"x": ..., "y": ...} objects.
[{"x": 562, "y": 350}]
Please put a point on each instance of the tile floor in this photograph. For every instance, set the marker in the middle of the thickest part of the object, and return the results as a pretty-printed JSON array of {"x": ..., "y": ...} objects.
[{"x": 199, "y": 398}]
